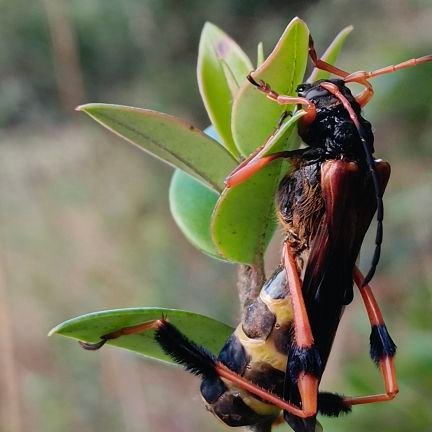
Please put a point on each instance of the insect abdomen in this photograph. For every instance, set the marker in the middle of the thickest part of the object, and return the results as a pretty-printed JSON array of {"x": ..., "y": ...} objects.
[{"x": 257, "y": 351}]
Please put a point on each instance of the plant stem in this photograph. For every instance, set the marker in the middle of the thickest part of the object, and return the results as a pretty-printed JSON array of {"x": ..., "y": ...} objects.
[{"x": 250, "y": 280}]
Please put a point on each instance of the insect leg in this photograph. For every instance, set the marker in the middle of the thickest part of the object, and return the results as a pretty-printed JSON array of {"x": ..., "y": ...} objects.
[
  {"x": 304, "y": 364},
  {"x": 363, "y": 97},
  {"x": 323, "y": 65},
  {"x": 256, "y": 160},
  {"x": 197, "y": 360},
  {"x": 255, "y": 163},
  {"x": 382, "y": 347},
  {"x": 360, "y": 76},
  {"x": 139, "y": 328},
  {"x": 285, "y": 99}
]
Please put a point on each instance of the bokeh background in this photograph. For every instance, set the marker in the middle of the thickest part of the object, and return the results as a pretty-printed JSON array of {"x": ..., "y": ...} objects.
[{"x": 84, "y": 219}]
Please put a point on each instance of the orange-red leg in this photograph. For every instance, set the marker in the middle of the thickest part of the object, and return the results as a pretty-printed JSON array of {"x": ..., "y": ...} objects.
[
  {"x": 384, "y": 356},
  {"x": 364, "y": 96},
  {"x": 360, "y": 76},
  {"x": 308, "y": 106},
  {"x": 321, "y": 64},
  {"x": 222, "y": 370},
  {"x": 244, "y": 384},
  {"x": 251, "y": 164},
  {"x": 139, "y": 328},
  {"x": 307, "y": 380},
  {"x": 256, "y": 161},
  {"x": 334, "y": 89}
]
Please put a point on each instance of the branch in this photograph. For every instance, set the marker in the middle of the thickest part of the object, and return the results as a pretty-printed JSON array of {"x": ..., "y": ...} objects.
[{"x": 250, "y": 280}]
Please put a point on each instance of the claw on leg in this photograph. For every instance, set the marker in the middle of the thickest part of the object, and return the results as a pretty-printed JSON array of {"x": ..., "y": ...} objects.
[{"x": 93, "y": 346}]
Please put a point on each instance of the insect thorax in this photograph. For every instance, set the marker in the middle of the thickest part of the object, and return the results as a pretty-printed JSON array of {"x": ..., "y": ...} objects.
[{"x": 333, "y": 130}]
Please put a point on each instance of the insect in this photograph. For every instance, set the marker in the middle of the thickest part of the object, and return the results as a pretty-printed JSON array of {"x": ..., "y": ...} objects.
[{"x": 274, "y": 360}]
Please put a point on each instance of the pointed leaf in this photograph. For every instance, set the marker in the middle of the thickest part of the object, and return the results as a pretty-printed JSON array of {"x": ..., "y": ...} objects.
[
  {"x": 192, "y": 205},
  {"x": 168, "y": 138},
  {"x": 203, "y": 330},
  {"x": 244, "y": 220},
  {"x": 254, "y": 116},
  {"x": 331, "y": 54},
  {"x": 222, "y": 68}
]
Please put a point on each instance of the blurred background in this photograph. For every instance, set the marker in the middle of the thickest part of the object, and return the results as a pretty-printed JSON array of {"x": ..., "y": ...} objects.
[{"x": 84, "y": 219}]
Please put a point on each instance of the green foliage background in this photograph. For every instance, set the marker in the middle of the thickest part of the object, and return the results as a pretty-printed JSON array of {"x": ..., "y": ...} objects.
[{"x": 85, "y": 223}]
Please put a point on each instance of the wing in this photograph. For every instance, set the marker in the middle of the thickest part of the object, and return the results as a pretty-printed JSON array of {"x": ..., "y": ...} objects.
[{"x": 350, "y": 203}]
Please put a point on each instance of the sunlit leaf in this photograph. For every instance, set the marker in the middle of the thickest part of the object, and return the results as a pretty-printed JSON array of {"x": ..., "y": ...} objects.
[
  {"x": 222, "y": 68},
  {"x": 244, "y": 218},
  {"x": 203, "y": 330},
  {"x": 254, "y": 116},
  {"x": 168, "y": 138},
  {"x": 243, "y": 221}
]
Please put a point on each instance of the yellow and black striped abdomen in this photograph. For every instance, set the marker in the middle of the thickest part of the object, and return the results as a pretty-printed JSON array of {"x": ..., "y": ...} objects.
[{"x": 257, "y": 350}]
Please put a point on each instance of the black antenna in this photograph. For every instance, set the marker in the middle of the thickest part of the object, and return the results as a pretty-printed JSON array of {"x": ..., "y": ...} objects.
[{"x": 380, "y": 207}]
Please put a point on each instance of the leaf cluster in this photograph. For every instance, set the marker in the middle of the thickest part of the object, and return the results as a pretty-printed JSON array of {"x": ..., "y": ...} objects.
[{"x": 234, "y": 224}]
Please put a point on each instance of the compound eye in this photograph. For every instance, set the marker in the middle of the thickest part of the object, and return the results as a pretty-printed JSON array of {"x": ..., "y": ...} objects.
[{"x": 302, "y": 88}]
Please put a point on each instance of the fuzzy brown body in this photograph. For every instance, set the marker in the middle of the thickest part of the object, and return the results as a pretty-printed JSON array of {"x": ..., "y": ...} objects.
[{"x": 301, "y": 207}]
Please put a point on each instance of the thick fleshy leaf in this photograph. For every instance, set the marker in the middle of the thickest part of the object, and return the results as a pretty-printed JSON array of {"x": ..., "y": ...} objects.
[
  {"x": 331, "y": 54},
  {"x": 203, "y": 330},
  {"x": 192, "y": 205},
  {"x": 168, "y": 138},
  {"x": 243, "y": 221},
  {"x": 254, "y": 116},
  {"x": 222, "y": 68}
]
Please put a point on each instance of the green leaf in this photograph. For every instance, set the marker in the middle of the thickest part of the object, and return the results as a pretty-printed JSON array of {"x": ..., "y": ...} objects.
[
  {"x": 192, "y": 205},
  {"x": 331, "y": 54},
  {"x": 244, "y": 217},
  {"x": 222, "y": 68},
  {"x": 260, "y": 54},
  {"x": 168, "y": 138},
  {"x": 203, "y": 330},
  {"x": 243, "y": 220},
  {"x": 285, "y": 137},
  {"x": 254, "y": 116}
]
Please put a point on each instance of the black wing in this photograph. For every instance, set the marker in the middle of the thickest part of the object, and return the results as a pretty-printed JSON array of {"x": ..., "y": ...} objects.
[{"x": 350, "y": 203}]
